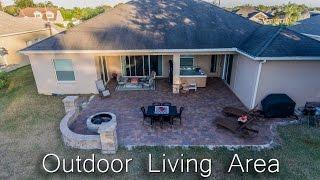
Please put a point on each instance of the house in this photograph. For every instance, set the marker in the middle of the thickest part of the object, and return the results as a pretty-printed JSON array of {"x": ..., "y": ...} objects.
[
  {"x": 47, "y": 14},
  {"x": 314, "y": 13},
  {"x": 17, "y": 33},
  {"x": 140, "y": 37},
  {"x": 254, "y": 15},
  {"x": 309, "y": 27}
]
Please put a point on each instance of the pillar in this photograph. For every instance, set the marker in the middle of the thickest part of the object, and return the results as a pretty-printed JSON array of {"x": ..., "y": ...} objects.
[
  {"x": 70, "y": 103},
  {"x": 176, "y": 73}
]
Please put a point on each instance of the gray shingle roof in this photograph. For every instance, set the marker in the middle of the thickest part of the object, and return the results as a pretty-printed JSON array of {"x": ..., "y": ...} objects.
[
  {"x": 10, "y": 24},
  {"x": 176, "y": 24},
  {"x": 308, "y": 26}
]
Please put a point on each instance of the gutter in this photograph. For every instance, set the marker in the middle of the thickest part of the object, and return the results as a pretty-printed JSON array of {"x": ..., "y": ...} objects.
[
  {"x": 24, "y": 32},
  {"x": 170, "y": 51},
  {"x": 256, "y": 86}
]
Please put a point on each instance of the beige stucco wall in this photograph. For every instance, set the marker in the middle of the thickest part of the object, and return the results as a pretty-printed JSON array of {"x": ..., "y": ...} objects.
[
  {"x": 244, "y": 78},
  {"x": 113, "y": 65},
  {"x": 299, "y": 79},
  {"x": 14, "y": 43},
  {"x": 204, "y": 62},
  {"x": 84, "y": 69}
]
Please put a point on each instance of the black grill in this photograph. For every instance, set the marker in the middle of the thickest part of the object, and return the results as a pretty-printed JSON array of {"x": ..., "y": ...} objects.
[{"x": 278, "y": 106}]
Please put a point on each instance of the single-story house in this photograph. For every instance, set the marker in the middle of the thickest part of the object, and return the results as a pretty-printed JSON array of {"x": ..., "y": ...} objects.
[
  {"x": 309, "y": 27},
  {"x": 17, "y": 33},
  {"x": 141, "y": 36}
]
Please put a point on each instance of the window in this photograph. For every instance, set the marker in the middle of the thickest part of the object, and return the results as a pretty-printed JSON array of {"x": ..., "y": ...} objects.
[
  {"x": 214, "y": 61},
  {"x": 37, "y": 14},
  {"x": 64, "y": 70},
  {"x": 186, "y": 61},
  {"x": 49, "y": 15}
]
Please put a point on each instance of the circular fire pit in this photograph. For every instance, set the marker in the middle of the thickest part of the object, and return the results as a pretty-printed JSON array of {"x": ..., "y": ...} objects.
[{"x": 98, "y": 120}]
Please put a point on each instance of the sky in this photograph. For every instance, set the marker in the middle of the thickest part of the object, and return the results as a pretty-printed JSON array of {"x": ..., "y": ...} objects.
[{"x": 224, "y": 3}]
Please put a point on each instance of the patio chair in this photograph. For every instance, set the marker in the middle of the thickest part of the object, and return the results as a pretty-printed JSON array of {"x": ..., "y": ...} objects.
[
  {"x": 178, "y": 116},
  {"x": 102, "y": 89},
  {"x": 193, "y": 86},
  {"x": 166, "y": 104},
  {"x": 145, "y": 115},
  {"x": 121, "y": 80},
  {"x": 236, "y": 127},
  {"x": 156, "y": 104}
]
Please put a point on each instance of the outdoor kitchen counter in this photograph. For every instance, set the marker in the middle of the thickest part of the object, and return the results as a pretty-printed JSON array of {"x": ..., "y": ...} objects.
[{"x": 193, "y": 75}]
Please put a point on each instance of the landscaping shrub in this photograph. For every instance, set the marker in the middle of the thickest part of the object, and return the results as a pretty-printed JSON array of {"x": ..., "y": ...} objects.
[{"x": 3, "y": 79}]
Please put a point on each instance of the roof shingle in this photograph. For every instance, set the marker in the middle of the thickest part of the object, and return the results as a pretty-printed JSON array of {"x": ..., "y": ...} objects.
[
  {"x": 10, "y": 24},
  {"x": 175, "y": 24}
]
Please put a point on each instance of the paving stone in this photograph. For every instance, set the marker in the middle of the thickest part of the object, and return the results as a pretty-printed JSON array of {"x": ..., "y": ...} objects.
[{"x": 197, "y": 127}]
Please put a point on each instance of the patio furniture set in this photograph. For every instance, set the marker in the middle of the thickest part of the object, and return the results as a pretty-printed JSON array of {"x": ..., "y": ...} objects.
[
  {"x": 238, "y": 121},
  {"x": 135, "y": 83},
  {"x": 162, "y": 112},
  {"x": 309, "y": 114},
  {"x": 185, "y": 88}
]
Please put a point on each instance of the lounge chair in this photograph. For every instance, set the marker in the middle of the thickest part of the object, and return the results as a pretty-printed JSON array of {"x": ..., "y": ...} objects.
[
  {"x": 236, "y": 112},
  {"x": 236, "y": 127},
  {"x": 102, "y": 89}
]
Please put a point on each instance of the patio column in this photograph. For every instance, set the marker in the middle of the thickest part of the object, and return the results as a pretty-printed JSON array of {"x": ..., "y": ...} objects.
[{"x": 176, "y": 73}]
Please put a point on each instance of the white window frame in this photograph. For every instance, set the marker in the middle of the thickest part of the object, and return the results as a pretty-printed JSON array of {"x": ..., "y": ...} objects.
[
  {"x": 187, "y": 56},
  {"x": 55, "y": 72},
  {"x": 49, "y": 13},
  {"x": 37, "y": 14}
]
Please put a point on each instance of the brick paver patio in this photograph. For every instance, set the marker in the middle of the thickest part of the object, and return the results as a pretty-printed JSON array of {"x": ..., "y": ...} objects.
[{"x": 197, "y": 129}]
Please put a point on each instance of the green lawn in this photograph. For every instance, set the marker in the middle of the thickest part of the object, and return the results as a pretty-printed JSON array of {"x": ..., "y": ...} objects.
[{"x": 29, "y": 129}]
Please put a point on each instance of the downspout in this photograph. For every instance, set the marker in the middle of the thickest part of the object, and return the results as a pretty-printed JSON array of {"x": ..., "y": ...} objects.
[{"x": 254, "y": 98}]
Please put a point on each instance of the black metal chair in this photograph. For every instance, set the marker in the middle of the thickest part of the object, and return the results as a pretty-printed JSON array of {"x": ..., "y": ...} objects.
[
  {"x": 156, "y": 104},
  {"x": 166, "y": 104},
  {"x": 179, "y": 115},
  {"x": 145, "y": 115}
]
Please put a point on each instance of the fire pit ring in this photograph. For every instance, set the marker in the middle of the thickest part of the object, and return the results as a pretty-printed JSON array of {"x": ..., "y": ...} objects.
[{"x": 100, "y": 119}]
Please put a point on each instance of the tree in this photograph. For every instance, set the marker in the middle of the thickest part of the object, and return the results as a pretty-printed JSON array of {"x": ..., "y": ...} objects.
[
  {"x": 24, "y": 3},
  {"x": 46, "y": 4},
  {"x": 12, "y": 10}
]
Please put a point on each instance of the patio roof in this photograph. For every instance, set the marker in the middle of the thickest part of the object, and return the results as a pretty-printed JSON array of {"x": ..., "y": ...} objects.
[{"x": 175, "y": 24}]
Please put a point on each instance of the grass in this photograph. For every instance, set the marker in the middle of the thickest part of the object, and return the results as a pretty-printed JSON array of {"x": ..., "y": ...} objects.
[{"x": 29, "y": 129}]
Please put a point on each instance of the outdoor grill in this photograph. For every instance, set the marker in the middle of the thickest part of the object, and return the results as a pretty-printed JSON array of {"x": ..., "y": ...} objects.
[{"x": 278, "y": 106}]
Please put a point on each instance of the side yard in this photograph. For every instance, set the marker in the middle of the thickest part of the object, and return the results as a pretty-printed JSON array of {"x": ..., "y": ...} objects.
[{"x": 29, "y": 129}]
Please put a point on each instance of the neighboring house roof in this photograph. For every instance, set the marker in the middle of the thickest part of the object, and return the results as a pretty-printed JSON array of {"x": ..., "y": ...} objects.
[
  {"x": 175, "y": 24},
  {"x": 249, "y": 12},
  {"x": 30, "y": 12},
  {"x": 11, "y": 25},
  {"x": 309, "y": 26}
]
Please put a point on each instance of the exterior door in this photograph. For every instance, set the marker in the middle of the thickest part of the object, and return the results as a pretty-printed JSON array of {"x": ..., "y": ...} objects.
[
  {"x": 103, "y": 69},
  {"x": 227, "y": 68}
]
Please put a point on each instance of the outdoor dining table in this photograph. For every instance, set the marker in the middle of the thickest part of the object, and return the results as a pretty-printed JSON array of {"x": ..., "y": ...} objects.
[{"x": 169, "y": 111}]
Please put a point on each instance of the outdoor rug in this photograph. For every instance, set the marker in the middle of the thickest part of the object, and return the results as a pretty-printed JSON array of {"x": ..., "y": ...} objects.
[{"x": 124, "y": 87}]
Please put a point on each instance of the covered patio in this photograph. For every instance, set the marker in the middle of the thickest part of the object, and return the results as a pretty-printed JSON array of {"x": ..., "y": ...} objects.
[{"x": 197, "y": 129}]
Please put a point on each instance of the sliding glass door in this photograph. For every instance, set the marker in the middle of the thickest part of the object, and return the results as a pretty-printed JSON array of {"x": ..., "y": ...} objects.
[
  {"x": 227, "y": 69},
  {"x": 141, "y": 65},
  {"x": 156, "y": 65}
]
